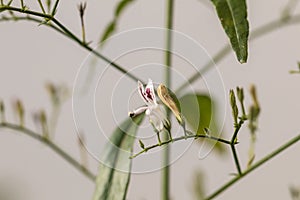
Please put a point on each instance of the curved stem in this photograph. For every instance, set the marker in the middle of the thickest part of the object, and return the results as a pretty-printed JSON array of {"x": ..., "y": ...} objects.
[
  {"x": 255, "y": 166},
  {"x": 52, "y": 146},
  {"x": 258, "y": 32},
  {"x": 191, "y": 135},
  {"x": 33, "y": 19},
  {"x": 72, "y": 36}
]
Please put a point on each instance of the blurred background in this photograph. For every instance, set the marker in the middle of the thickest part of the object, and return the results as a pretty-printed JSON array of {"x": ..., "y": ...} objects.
[{"x": 32, "y": 55}]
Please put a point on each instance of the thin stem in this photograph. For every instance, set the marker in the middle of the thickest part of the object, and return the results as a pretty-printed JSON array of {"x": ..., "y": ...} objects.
[
  {"x": 42, "y": 7},
  {"x": 232, "y": 145},
  {"x": 71, "y": 36},
  {"x": 168, "y": 64},
  {"x": 51, "y": 145},
  {"x": 255, "y": 166},
  {"x": 22, "y": 4},
  {"x": 236, "y": 160},
  {"x": 81, "y": 8},
  {"x": 33, "y": 19},
  {"x": 258, "y": 32},
  {"x": 236, "y": 131},
  {"x": 54, "y": 8},
  {"x": 191, "y": 135}
]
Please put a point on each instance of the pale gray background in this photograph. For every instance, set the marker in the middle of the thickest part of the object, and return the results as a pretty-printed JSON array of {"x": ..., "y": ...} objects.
[{"x": 31, "y": 55}]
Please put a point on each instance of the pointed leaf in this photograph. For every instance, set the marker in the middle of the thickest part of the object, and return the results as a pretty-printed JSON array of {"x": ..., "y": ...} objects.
[
  {"x": 233, "y": 16},
  {"x": 114, "y": 170},
  {"x": 198, "y": 112},
  {"x": 111, "y": 27}
]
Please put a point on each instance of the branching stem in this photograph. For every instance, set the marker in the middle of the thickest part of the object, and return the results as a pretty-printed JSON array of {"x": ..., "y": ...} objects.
[
  {"x": 72, "y": 36},
  {"x": 255, "y": 166},
  {"x": 190, "y": 136},
  {"x": 52, "y": 146}
]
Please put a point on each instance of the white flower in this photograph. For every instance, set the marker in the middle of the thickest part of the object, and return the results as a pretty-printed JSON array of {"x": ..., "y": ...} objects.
[{"x": 152, "y": 109}]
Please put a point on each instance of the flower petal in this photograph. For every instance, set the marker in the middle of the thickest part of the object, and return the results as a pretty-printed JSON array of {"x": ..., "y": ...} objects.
[
  {"x": 158, "y": 118},
  {"x": 149, "y": 92},
  {"x": 142, "y": 92},
  {"x": 138, "y": 111},
  {"x": 171, "y": 101}
]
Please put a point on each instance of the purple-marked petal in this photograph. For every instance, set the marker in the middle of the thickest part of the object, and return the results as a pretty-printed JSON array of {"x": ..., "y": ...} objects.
[
  {"x": 142, "y": 92},
  {"x": 150, "y": 93}
]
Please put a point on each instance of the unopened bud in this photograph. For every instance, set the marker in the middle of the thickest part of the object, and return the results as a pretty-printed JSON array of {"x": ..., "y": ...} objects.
[
  {"x": 254, "y": 96},
  {"x": 44, "y": 125},
  {"x": 171, "y": 101},
  {"x": 235, "y": 111},
  {"x": 19, "y": 108},
  {"x": 2, "y": 111},
  {"x": 240, "y": 94},
  {"x": 142, "y": 144}
]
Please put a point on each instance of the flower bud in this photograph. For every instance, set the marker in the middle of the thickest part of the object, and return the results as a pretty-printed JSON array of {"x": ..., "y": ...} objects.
[
  {"x": 2, "y": 111},
  {"x": 171, "y": 101},
  {"x": 19, "y": 108},
  {"x": 235, "y": 111}
]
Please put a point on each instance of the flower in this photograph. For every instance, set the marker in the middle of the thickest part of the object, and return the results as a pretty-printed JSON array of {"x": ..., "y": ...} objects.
[{"x": 152, "y": 109}]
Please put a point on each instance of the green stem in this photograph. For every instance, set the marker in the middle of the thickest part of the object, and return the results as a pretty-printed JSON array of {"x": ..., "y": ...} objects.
[
  {"x": 192, "y": 135},
  {"x": 54, "y": 8},
  {"x": 258, "y": 32},
  {"x": 232, "y": 145},
  {"x": 33, "y": 19},
  {"x": 41, "y": 6},
  {"x": 168, "y": 63},
  {"x": 70, "y": 35},
  {"x": 236, "y": 160},
  {"x": 53, "y": 146},
  {"x": 255, "y": 166}
]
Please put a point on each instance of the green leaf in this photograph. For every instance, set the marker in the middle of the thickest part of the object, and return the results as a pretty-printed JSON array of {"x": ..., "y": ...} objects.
[
  {"x": 114, "y": 171},
  {"x": 109, "y": 30},
  {"x": 198, "y": 112},
  {"x": 233, "y": 16},
  {"x": 111, "y": 27}
]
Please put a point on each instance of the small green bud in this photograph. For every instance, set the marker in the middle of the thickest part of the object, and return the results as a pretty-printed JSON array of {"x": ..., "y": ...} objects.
[
  {"x": 19, "y": 108},
  {"x": 240, "y": 93},
  {"x": 142, "y": 144},
  {"x": 43, "y": 121},
  {"x": 2, "y": 111},
  {"x": 235, "y": 111},
  {"x": 254, "y": 96}
]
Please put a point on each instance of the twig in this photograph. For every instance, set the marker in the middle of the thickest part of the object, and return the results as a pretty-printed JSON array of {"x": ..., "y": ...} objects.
[
  {"x": 33, "y": 19},
  {"x": 51, "y": 145},
  {"x": 255, "y": 166},
  {"x": 41, "y": 6},
  {"x": 191, "y": 135},
  {"x": 233, "y": 143},
  {"x": 54, "y": 8},
  {"x": 81, "y": 8},
  {"x": 70, "y": 35}
]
